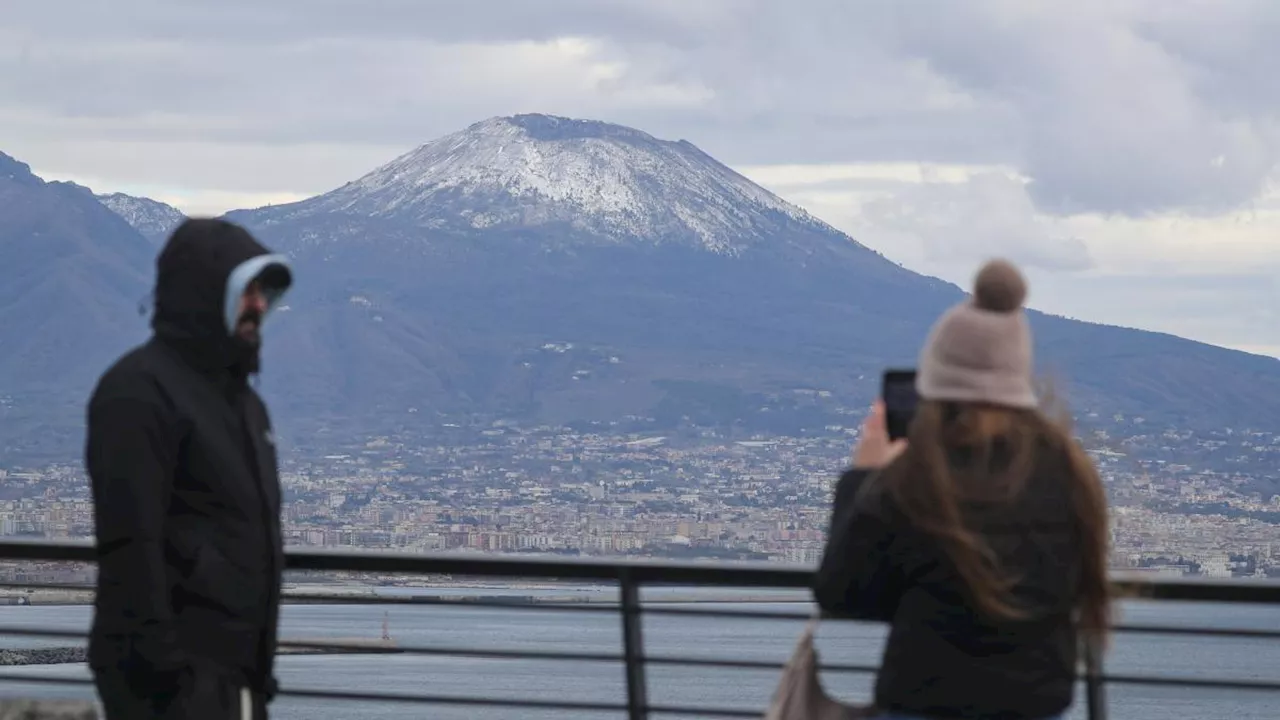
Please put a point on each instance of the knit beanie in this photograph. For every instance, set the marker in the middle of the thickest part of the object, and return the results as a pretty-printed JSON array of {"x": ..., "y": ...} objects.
[{"x": 980, "y": 350}]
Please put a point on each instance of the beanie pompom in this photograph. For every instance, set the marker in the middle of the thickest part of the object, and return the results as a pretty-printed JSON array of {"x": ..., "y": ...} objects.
[{"x": 999, "y": 287}]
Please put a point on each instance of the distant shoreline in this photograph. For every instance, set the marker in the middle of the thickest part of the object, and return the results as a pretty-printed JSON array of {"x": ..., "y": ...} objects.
[
  {"x": 518, "y": 593},
  {"x": 439, "y": 593},
  {"x": 72, "y": 655},
  {"x": 444, "y": 599}
]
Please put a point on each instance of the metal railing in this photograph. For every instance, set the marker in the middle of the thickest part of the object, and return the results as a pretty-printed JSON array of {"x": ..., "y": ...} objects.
[{"x": 630, "y": 578}]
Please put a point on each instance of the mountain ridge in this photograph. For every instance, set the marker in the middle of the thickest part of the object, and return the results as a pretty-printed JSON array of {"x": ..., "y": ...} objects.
[
  {"x": 72, "y": 276},
  {"x": 154, "y": 219}
]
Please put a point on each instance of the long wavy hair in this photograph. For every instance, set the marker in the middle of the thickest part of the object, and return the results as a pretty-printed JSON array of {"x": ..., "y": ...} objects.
[{"x": 931, "y": 490}]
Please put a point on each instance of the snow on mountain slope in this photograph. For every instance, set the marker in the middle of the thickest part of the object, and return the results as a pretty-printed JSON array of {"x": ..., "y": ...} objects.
[
  {"x": 597, "y": 181},
  {"x": 154, "y": 219}
]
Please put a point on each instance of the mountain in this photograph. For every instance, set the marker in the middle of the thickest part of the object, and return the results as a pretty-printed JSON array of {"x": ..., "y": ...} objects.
[
  {"x": 154, "y": 219},
  {"x": 72, "y": 276},
  {"x": 552, "y": 271},
  {"x": 561, "y": 270}
]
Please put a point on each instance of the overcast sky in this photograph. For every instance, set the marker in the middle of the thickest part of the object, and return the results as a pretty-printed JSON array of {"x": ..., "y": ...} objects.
[{"x": 1125, "y": 151}]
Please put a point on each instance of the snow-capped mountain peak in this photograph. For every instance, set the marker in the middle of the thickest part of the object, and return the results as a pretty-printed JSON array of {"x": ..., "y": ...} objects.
[
  {"x": 592, "y": 181},
  {"x": 152, "y": 218}
]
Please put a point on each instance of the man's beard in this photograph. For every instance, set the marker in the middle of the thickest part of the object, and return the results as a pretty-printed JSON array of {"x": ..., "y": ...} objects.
[{"x": 248, "y": 345}]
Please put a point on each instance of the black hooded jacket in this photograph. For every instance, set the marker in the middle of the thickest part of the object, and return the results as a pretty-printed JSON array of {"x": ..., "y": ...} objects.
[{"x": 183, "y": 467}]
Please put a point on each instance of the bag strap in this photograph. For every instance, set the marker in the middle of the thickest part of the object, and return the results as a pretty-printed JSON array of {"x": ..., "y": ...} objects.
[{"x": 815, "y": 619}]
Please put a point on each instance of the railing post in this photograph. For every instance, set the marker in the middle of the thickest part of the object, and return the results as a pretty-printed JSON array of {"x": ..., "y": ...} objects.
[
  {"x": 1094, "y": 682},
  {"x": 633, "y": 647}
]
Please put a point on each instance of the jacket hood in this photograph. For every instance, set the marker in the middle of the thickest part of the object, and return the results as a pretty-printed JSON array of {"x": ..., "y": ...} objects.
[{"x": 200, "y": 275}]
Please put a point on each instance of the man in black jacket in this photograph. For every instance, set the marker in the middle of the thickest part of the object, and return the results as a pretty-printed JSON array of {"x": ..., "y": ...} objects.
[{"x": 186, "y": 493}]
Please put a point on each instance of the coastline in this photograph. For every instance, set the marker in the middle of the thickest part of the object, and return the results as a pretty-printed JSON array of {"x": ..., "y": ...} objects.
[
  {"x": 442, "y": 594},
  {"x": 70, "y": 655}
]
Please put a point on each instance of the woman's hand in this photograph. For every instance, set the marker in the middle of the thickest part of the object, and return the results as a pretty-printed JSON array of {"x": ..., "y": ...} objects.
[{"x": 874, "y": 449}]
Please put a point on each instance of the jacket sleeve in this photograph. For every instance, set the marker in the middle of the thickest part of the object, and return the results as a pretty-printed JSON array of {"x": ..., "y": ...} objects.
[
  {"x": 858, "y": 576},
  {"x": 131, "y": 452}
]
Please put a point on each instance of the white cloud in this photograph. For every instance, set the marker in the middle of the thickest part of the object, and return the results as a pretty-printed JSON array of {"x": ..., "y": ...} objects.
[
  {"x": 1215, "y": 279},
  {"x": 216, "y": 169},
  {"x": 933, "y": 214},
  {"x": 990, "y": 214},
  {"x": 211, "y": 203},
  {"x": 193, "y": 202},
  {"x": 933, "y": 218},
  {"x": 795, "y": 176}
]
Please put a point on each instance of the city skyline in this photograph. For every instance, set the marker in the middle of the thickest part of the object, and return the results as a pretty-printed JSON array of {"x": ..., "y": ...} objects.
[{"x": 1181, "y": 502}]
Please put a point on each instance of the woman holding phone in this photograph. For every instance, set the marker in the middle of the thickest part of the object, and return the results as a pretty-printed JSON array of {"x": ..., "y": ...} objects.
[{"x": 981, "y": 537}]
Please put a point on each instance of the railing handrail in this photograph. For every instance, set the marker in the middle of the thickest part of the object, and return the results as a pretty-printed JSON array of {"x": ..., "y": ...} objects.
[
  {"x": 642, "y": 571},
  {"x": 630, "y": 576}
]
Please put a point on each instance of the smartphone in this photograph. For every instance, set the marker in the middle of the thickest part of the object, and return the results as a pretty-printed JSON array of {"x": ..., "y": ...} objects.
[{"x": 898, "y": 390}]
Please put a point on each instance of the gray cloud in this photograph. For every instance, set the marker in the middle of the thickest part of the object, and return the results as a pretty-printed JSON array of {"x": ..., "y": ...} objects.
[
  {"x": 242, "y": 23},
  {"x": 332, "y": 72},
  {"x": 1114, "y": 119},
  {"x": 1124, "y": 106}
]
